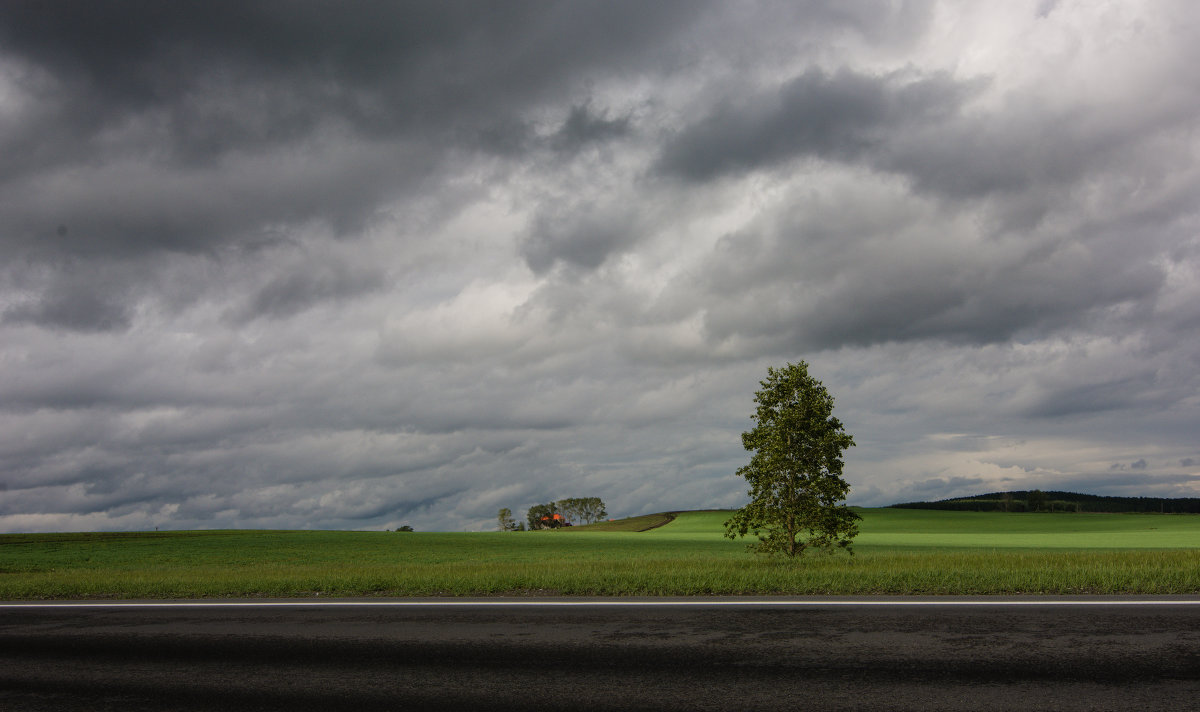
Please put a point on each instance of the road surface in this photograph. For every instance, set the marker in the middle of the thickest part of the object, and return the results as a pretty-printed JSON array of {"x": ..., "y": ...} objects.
[{"x": 1109, "y": 654}]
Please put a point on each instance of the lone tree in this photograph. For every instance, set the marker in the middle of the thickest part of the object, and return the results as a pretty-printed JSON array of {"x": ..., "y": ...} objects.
[
  {"x": 796, "y": 492},
  {"x": 506, "y": 521}
]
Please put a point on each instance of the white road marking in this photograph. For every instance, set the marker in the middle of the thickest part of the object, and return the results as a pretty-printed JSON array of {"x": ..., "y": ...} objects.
[{"x": 609, "y": 603}]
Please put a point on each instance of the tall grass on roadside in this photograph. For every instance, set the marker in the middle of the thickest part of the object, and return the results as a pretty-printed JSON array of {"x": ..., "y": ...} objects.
[{"x": 1158, "y": 572}]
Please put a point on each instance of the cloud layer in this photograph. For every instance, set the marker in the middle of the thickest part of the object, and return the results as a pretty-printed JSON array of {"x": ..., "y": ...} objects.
[{"x": 271, "y": 265}]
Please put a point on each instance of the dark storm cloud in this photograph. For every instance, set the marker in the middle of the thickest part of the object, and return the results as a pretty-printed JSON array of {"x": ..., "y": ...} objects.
[
  {"x": 1047, "y": 151},
  {"x": 129, "y": 210},
  {"x": 278, "y": 264},
  {"x": 191, "y": 97},
  {"x": 923, "y": 126},
  {"x": 838, "y": 116},
  {"x": 827, "y": 291},
  {"x": 141, "y": 128},
  {"x": 1115, "y": 394},
  {"x": 581, "y": 234},
  {"x": 75, "y": 307},
  {"x": 379, "y": 66},
  {"x": 291, "y": 293},
  {"x": 584, "y": 127}
]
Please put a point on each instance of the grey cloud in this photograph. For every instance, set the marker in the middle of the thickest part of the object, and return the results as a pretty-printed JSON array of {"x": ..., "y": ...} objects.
[
  {"x": 74, "y": 309},
  {"x": 836, "y": 117},
  {"x": 583, "y": 127},
  {"x": 72, "y": 294},
  {"x": 1089, "y": 398},
  {"x": 90, "y": 377},
  {"x": 581, "y": 234},
  {"x": 925, "y": 127},
  {"x": 314, "y": 283},
  {"x": 970, "y": 443},
  {"x": 128, "y": 210},
  {"x": 296, "y": 484},
  {"x": 1031, "y": 148},
  {"x": 275, "y": 265},
  {"x": 943, "y": 487},
  {"x": 379, "y": 67},
  {"x": 200, "y": 94},
  {"x": 371, "y": 504},
  {"x": 801, "y": 290},
  {"x": 977, "y": 156},
  {"x": 1045, "y": 7},
  {"x": 1127, "y": 485}
]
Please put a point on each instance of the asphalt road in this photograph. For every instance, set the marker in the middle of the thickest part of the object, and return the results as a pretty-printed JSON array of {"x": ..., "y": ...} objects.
[{"x": 795, "y": 656}]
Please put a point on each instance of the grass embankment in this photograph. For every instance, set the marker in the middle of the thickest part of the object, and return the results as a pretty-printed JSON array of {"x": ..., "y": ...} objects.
[
  {"x": 644, "y": 523},
  {"x": 898, "y": 552}
]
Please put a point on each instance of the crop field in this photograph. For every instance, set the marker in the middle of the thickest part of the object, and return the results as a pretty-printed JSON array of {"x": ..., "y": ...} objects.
[{"x": 898, "y": 552}]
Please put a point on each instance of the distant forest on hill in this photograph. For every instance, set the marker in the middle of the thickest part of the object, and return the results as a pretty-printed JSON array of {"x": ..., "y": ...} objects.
[{"x": 1053, "y": 501}]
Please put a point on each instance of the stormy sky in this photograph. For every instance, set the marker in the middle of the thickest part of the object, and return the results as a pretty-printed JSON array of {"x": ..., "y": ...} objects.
[{"x": 276, "y": 264}]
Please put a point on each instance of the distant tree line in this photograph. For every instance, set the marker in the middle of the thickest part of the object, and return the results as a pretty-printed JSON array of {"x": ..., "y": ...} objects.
[
  {"x": 552, "y": 515},
  {"x": 1055, "y": 501}
]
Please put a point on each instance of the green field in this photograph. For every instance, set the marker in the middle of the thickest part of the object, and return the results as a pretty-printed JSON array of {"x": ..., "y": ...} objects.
[{"x": 898, "y": 552}]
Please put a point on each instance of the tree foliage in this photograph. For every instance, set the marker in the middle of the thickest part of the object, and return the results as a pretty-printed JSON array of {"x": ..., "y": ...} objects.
[
  {"x": 582, "y": 509},
  {"x": 565, "y": 512},
  {"x": 506, "y": 521},
  {"x": 541, "y": 516},
  {"x": 796, "y": 491}
]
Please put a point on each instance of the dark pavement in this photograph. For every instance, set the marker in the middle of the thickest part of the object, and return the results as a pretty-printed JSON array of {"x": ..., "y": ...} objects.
[{"x": 707, "y": 657}]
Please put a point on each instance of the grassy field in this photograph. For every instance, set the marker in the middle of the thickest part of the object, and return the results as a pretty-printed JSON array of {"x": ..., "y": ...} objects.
[{"x": 899, "y": 551}]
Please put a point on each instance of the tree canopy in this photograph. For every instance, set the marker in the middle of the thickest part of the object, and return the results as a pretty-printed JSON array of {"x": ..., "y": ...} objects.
[
  {"x": 566, "y": 512},
  {"x": 582, "y": 509},
  {"x": 796, "y": 491},
  {"x": 542, "y": 516}
]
